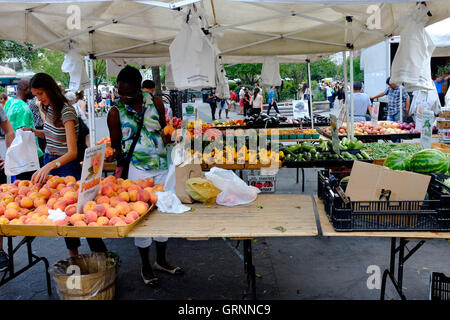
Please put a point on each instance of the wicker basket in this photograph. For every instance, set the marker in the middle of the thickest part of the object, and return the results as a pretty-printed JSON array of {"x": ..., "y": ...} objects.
[{"x": 96, "y": 282}]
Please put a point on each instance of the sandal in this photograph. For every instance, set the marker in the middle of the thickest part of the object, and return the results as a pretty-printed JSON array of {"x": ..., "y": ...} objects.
[
  {"x": 153, "y": 282},
  {"x": 176, "y": 270}
]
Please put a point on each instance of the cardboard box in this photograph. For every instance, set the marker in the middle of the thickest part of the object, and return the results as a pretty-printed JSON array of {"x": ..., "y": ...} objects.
[{"x": 367, "y": 181}]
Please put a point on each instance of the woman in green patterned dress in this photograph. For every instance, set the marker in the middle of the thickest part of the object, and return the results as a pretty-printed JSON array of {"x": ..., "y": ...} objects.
[{"x": 149, "y": 158}]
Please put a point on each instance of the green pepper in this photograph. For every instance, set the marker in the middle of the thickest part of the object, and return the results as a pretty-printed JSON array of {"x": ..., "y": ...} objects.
[
  {"x": 299, "y": 158},
  {"x": 359, "y": 145},
  {"x": 307, "y": 156},
  {"x": 313, "y": 150},
  {"x": 294, "y": 148}
]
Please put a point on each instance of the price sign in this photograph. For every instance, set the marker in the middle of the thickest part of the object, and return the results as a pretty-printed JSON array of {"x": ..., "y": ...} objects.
[
  {"x": 334, "y": 133},
  {"x": 375, "y": 111},
  {"x": 264, "y": 183},
  {"x": 91, "y": 174}
]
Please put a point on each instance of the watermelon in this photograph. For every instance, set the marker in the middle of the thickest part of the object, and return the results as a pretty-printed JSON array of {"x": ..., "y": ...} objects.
[
  {"x": 429, "y": 161},
  {"x": 397, "y": 160}
]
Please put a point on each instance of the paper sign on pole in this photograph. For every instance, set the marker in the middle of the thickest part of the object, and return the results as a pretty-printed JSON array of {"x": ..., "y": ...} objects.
[
  {"x": 374, "y": 113},
  {"x": 91, "y": 175}
]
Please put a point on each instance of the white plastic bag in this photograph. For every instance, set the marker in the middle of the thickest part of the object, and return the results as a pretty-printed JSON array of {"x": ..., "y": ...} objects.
[
  {"x": 73, "y": 64},
  {"x": 192, "y": 56},
  {"x": 411, "y": 64},
  {"x": 168, "y": 202},
  {"x": 234, "y": 190},
  {"x": 270, "y": 74},
  {"x": 22, "y": 155}
]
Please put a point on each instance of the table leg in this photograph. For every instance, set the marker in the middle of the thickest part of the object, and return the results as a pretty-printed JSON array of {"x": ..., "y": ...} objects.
[
  {"x": 32, "y": 260},
  {"x": 398, "y": 283},
  {"x": 249, "y": 270},
  {"x": 297, "y": 176},
  {"x": 303, "y": 180}
]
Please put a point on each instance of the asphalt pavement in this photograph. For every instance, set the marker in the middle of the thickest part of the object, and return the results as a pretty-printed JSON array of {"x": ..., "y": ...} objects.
[{"x": 287, "y": 268}]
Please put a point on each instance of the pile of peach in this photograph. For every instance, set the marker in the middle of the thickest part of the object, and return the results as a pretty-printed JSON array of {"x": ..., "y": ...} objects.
[{"x": 118, "y": 203}]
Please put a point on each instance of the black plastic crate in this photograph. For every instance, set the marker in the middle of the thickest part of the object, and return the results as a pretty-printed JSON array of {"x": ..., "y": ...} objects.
[
  {"x": 382, "y": 215},
  {"x": 439, "y": 286}
]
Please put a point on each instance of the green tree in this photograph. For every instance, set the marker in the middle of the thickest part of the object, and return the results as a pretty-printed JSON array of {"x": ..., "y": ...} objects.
[
  {"x": 297, "y": 72},
  {"x": 12, "y": 49},
  {"x": 358, "y": 74},
  {"x": 247, "y": 73},
  {"x": 50, "y": 61},
  {"x": 325, "y": 68}
]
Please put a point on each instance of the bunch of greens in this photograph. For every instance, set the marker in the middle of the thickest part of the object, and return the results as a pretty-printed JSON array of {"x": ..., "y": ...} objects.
[{"x": 382, "y": 150}]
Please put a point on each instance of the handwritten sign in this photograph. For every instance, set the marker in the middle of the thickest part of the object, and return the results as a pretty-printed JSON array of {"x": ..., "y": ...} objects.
[
  {"x": 334, "y": 133},
  {"x": 264, "y": 183},
  {"x": 375, "y": 112},
  {"x": 91, "y": 175}
]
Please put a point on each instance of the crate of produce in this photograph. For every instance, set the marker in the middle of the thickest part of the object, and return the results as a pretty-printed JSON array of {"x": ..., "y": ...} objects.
[
  {"x": 439, "y": 286},
  {"x": 382, "y": 215}
]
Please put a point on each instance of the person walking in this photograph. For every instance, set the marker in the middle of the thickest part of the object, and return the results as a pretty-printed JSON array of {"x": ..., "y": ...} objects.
[
  {"x": 241, "y": 100},
  {"x": 149, "y": 157},
  {"x": 60, "y": 130},
  {"x": 257, "y": 103},
  {"x": 398, "y": 101},
  {"x": 247, "y": 102},
  {"x": 329, "y": 94},
  {"x": 212, "y": 100},
  {"x": 272, "y": 101}
]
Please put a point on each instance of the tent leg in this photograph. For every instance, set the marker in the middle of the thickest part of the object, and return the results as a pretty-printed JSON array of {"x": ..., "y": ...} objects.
[
  {"x": 352, "y": 116},
  {"x": 92, "y": 133},
  {"x": 310, "y": 95}
]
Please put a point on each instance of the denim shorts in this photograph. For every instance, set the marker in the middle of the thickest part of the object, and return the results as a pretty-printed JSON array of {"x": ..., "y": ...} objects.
[{"x": 73, "y": 168}]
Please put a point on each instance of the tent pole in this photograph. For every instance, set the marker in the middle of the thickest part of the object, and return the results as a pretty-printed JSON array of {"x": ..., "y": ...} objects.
[
  {"x": 310, "y": 95},
  {"x": 91, "y": 103},
  {"x": 352, "y": 94},
  {"x": 346, "y": 103}
]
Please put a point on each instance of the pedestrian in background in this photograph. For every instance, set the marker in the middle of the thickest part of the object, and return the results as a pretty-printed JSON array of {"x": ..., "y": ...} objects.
[{"x": 272, "y": 101}]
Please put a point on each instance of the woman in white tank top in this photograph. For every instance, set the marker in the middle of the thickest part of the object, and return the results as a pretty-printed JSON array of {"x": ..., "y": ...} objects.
[{"x": 257, "y": 102}]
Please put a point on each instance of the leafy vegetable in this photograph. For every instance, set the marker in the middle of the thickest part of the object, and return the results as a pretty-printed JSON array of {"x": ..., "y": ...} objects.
[{"x": 382, "y": 150}]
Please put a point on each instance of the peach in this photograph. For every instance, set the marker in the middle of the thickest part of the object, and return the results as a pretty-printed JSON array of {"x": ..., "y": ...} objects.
[
  {"x": 114, "y": 220},
  {"x": 2, "y": 209},
  {"x": 60, "y": 186},
  {"x": 123, "y": 208},
  {"x": 128, "y": 220},
  {"x": 133, "y": 214},
  {"x": 11, "y": 213},
  {"x": 38, "y": 202},
  {"x": 140, "y": 207},
  {"x": 51, "y": 202},
  {"x": 144, "y": 196},
  {"x": 45, "y": 192},
  {"x": 64, "y": 190},
  {"x": 89, "y": 206},
  {"x": 102, "y": 221},
  {"x": 60, "y": 204},
  {"x": 101, "y": 199},
  {"x": 26, "y": 203},
  {"x": 52, "y": 183},
  {"x": 23, "y": 218},
  {"x": 124, "y": 196},
  {"x": 24, "y": 183},
  {"x": 16, "y": 183},
  {"x": 14, "y": 205},
  {"x": 4, "y": 220},
  {"x": 133, "y": 195},
  {"x": 72, "y": 185},
  {"x": 69, "y": 179},
  {"x": 107, "y": 190},
  {"x": 119, "y": 181},
  {"x": 14, "y": 191},
  {"x": 71, "y": 209},
  {"x": 114, "y": 201},
  {"x": 153, "y": 197},
  {"x": 127, "y": 183},
  {"x": 150, "y": 182},
  {"x": 111, "y": 213},
  {"x": 80, "y": 224},
  {"x": 100, "y": 209},
  {"x": 42, "y": 210},
  {"x": 159, "y": 187},
  {"x": 33, "y": 195},
  {"x": 67, "y": 219},
  {"x": 55, "y": 194},
  {"x": 91, "y": 216},
  {"x": 120, "y": 223},
  {"x": 70, "y": 197},
  {"x": 24, "y": 190},
  {"x": 76, "y": 217},
  {"x": 7, "y": 199},
  {"x": 134, "y": 187},
  {"x": 93, "y": 224}
]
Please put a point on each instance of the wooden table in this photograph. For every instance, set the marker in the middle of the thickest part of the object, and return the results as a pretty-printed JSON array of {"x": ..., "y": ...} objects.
[
  {"x": 270, "y": 215},
  {"x": 404, "y": 237}
]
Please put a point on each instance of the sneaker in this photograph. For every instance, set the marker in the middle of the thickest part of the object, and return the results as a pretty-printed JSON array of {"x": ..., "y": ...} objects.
[{"x": 4, "y": 261}]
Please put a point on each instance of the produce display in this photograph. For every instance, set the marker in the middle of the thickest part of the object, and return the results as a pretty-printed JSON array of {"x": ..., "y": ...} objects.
[
  {"x": 323, "y": 150},
  {"x": 230, "y": 123},
  {"x": 108, "y": 151},
  {"x": 382, "y": 150},
  {"x": 319, "y": 121},
  {"x": 424, "y": 161},
  {"x": 118, "y": 203},
  {"x": 383, "y": 127},
  {"x": 298, "y": 133},
  {"x": 174, "y": 122}
]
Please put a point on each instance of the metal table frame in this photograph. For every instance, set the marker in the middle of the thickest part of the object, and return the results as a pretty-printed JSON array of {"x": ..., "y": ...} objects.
[{"x": 10, "y": 274}]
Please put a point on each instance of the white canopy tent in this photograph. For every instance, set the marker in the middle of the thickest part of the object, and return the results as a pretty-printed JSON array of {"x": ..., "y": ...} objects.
[{"x": 104, "y": 28}]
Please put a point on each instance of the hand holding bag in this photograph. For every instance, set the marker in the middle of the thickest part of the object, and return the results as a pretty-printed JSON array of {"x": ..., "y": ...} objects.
[{"x": 22, "y": 155}]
